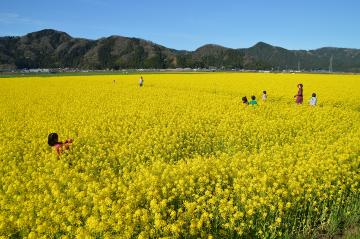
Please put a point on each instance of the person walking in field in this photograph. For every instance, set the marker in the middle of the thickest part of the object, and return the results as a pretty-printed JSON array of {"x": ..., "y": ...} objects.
[
  {"x": 313, "y": 100},
  {"x": 141, "y": 81},
  {"x": 264, "y": 96},
  {"x": 299, "y": 95},
  {"x": 53, "y": 141}
]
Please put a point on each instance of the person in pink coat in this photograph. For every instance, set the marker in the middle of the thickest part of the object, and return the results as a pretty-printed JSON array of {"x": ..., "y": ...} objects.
[{"x": 299, "y": 96}]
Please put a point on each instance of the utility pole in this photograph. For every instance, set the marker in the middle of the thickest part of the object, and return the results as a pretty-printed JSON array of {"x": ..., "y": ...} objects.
[{"x": 298, "y": 66}]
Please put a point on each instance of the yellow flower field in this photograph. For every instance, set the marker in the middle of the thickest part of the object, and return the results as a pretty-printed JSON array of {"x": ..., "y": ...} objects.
[{"x": 181, "y": 157}]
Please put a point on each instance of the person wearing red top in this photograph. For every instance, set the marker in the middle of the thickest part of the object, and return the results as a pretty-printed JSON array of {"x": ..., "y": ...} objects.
[
  {"x": 299, "y": 96},
  {"x": 53, "y": 141}
]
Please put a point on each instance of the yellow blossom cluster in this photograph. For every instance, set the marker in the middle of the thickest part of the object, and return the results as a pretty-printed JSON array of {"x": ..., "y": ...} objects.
[{"x": 180, "y": 157}]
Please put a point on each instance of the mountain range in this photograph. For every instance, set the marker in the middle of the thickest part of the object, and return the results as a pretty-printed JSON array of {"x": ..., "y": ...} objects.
[{"x": 55, "y": 49}]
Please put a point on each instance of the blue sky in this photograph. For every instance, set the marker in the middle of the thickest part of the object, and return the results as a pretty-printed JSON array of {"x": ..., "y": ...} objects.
[{"x": 190, "y": 24}]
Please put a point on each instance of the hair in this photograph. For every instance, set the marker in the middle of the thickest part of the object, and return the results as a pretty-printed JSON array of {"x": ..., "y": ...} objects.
[
  {"x": 244, "y": 99},
  {"x": 300, "y": 85},
  {"x": 313, "y": 95},
  {"x": 53, "y": 139},
  {"x": 253, "y": 97},
  {"x": 264, "y": 91}
]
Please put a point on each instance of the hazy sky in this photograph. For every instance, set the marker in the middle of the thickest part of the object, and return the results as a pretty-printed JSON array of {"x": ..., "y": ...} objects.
[{"x": 185, "y": 24}]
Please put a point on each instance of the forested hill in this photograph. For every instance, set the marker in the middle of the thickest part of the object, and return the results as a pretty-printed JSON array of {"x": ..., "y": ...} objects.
[{"x": 53, "y": 49}]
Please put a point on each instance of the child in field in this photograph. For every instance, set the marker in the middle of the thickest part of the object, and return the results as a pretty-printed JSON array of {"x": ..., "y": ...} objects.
[
  {"x": 253, "y": 100},
  {"x": 245, "y": 100},
  {"x": 141, "y": 81},
  {"x": 299, "y": 95},
  {"x": 313, "y": 100},
  {"x": 53, "y": 141},
  {"x": 264, "y": 96}
]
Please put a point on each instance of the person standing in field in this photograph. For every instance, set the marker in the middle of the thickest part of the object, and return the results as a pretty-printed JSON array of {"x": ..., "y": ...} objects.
[
  {"x": 141, "y": 81},
  {"x": 313, "y": 100},
  {"x": 53, "y": 141},
  {"x": 299, "y": 96},
  {"x": 264, "y": 96}
]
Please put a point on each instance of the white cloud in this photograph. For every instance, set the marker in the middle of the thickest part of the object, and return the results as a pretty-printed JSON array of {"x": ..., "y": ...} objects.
[{"x": 14, "y": 18}]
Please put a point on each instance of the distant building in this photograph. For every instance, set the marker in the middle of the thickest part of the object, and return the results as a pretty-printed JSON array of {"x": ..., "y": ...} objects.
[{"x": 39, "y": 70}]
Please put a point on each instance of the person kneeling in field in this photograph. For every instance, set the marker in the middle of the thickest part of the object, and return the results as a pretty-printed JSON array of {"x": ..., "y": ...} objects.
[
  {"x": 245, "y": 100},
  {"x": 253, "y": 100},
  {"x": 313, "y": 100},
  {"x": 53, "y": 141}
]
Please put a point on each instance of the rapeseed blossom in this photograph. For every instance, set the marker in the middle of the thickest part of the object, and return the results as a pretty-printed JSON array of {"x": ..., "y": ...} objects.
[{"x": 180, "y": 158}]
